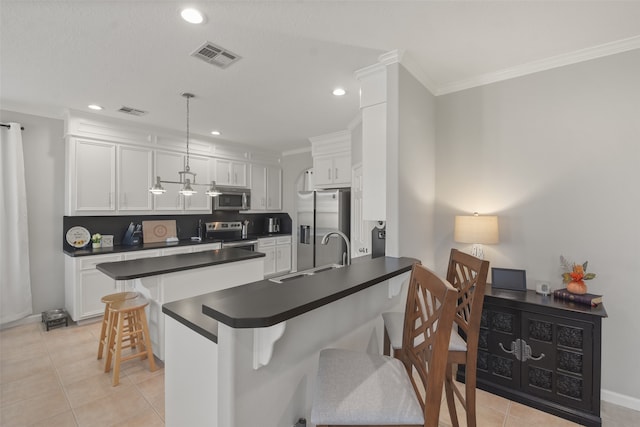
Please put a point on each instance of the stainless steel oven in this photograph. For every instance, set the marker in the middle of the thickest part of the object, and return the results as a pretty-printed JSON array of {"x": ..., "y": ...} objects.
[{"x": 232, "y": 199}]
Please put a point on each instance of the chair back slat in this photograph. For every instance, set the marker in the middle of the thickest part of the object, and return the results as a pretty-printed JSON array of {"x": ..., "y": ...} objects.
[
  {"x": 429, "y": 314},
  {"x": 468, "y": 275}
]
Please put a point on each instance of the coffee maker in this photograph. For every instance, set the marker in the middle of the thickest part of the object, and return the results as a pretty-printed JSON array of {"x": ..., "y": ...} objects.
[{"x": 272, "y": 225}]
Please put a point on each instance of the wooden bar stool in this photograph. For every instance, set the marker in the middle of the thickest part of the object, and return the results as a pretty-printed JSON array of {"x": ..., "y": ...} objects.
[
  {"x": 107, "y": 300},
  {"x": 135, "y": 336}
]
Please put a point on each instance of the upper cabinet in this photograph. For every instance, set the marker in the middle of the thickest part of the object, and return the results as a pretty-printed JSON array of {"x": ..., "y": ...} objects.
[
  {"x": 332, "y": 159},
  {"x": 110, "y": 166},
  {"x": 135, "y": 172},
  {"x": 231, "y": 173},
  {"x": 91, "y": 176},
  {"x": 199, "y": 201},
  {"x": 373, "y": 105},
  {"x": 266, "y": 188}
]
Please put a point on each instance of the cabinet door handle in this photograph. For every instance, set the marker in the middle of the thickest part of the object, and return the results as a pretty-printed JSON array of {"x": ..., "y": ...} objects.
[
  {"x": 335, "y": 175},
  {"x": 329, "y": 173},
  {"x": 526, "y": 353},
  {"x": 516, "y": 349}
]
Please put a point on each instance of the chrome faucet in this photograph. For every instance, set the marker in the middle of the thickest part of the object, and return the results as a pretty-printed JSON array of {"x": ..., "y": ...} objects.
[{"x": 325, "y": 240}]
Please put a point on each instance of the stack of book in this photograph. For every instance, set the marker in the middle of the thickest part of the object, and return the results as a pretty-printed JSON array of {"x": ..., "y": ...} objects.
[{"x": 586, "y": 299}]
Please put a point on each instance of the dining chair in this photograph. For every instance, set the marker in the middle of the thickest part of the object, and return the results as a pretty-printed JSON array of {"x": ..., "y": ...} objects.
[
  {"x": 357, "y": 388},
  {"x": 468, "y": 275}
]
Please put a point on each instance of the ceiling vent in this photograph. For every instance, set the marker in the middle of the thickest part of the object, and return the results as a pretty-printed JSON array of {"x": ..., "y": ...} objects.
[
  {"x": 215, "y": 55},
  {"x": 132, "y": 111}
]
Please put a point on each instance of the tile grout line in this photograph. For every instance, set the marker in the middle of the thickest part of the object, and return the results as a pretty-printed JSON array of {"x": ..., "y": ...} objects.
[{"x": 62, "y": 386}]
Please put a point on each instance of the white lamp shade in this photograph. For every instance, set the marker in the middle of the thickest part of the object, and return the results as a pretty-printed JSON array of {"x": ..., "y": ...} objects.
[{"x": 476, "y": 229}]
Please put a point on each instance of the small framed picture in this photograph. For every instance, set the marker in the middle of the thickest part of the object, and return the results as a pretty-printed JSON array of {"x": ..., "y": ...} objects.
[{"x": 107, "y": 240}]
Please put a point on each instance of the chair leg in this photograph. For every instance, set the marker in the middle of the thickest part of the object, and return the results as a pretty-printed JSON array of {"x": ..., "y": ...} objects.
[
  {"x": 147, "y": 340},
  {"x": 103, "y": 331},
  {"x": 110, "y": 340},
  {"x": 386, "y": 346},
  {"x": 451, "y": 400},
  {"x": 470, "y": 392},
  {"x": 118, "y": 350}
]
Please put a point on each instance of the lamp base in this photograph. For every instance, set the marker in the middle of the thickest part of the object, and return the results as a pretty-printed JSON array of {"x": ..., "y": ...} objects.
[{"x": 477, "y": 251}]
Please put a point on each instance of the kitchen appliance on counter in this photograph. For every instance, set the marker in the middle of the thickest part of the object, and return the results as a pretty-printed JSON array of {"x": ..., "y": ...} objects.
[
  {"x": 230, "y": 233},
  {"x": 232, "y": 199},
  {"x": 272, "y": 225},
  {"x": 320, "y": 212}
]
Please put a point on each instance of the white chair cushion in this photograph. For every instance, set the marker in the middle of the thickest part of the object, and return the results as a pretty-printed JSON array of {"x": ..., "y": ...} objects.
[
  {"x": 394, "y": 324},
  {"x": 361, "y": 388}
]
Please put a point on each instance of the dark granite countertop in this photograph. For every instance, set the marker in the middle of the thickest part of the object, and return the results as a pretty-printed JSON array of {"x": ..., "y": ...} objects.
[
  {"x": 88, "y": 251},
  {"x": 265, "y": 303},
  {"x": 144, "y": 267}
]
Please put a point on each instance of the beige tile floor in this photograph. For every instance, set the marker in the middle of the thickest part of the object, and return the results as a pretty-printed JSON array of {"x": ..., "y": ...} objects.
[{"x": 53, "y": 379}]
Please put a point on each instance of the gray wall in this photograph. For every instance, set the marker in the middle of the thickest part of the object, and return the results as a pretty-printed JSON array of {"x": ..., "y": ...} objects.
[
  {"x": 555, "y": 155},
  {"x": 43, "y": 145}
]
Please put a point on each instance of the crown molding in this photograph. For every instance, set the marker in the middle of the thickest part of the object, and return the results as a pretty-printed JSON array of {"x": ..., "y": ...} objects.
[
  {"x": 416, "y": 71},
  {"x": 296, "y": 151},
  {"x": 575, "y": 57}
]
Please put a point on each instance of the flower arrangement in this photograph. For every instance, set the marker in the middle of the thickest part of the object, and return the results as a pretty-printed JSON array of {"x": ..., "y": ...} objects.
[
  {"x": 575, "y": 272},
  {"x": 96, "y": 238},
  {"x": 575, "y": 275}
]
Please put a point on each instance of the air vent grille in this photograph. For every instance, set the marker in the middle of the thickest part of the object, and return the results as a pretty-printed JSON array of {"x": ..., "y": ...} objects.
[
  {"x": 132, "y": 111},
  {"x": 216, "y": 55}
]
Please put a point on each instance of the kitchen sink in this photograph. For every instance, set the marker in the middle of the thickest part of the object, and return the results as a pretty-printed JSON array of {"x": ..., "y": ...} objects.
[{"x": 304, "y": 273}]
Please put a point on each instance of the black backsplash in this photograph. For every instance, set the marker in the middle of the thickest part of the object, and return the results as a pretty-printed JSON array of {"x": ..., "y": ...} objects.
[{"x": 186, "y": 224}]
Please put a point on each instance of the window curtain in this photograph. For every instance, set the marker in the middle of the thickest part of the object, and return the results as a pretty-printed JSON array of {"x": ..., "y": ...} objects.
[{"x": 15, "y": 279}]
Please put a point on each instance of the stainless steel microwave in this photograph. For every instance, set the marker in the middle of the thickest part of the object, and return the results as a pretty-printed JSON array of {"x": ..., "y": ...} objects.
[{"x": 232, "y": 199}]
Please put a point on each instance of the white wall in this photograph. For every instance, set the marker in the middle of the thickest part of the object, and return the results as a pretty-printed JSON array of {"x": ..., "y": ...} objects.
[
  {"x": 556, "y": 156},
  {"x": 44, "y": 173},
  {"x": 416, "y": 168}
]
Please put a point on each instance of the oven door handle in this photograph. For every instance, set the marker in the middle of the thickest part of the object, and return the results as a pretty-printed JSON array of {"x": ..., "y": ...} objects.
[{"x": 242, "y": 243}]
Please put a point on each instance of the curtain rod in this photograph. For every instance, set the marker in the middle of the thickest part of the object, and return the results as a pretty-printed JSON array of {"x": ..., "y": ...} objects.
[{"x": 8, "y": 126}]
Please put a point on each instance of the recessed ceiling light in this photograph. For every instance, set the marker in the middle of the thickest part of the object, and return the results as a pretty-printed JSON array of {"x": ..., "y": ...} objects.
[
  {"x": 339, "y": 91},
  {"x": 95, "y": 107},
  {"x": 215, "y": 132},
  {"x": 192, "y": 16}
]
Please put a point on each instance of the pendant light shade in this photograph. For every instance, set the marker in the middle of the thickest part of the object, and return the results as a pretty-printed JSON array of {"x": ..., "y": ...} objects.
[
  {"x": 213, "y": 191},
  {"x": 186, "y": 189},
  {"x": 157, "y": 187}
]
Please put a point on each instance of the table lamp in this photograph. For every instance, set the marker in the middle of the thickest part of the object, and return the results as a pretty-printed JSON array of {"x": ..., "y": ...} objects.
[{"x": 476, "y": 229}]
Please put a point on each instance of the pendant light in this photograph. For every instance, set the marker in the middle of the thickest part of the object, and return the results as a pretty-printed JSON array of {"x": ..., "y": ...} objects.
[{"x": 187, "y": 178}]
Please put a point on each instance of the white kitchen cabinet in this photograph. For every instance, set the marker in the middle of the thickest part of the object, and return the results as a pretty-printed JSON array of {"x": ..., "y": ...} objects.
[
  {"x": 177, "y": 250},
  {"x": 332, "y": 170},
  {"x": 92, "y": 177},
  {"x": 266, "y": 187},
  {"x": 277, "y": 252},
  {"x": 135, "y": 177},
  {"x": 199, "y": 201},
  {"x": 85, "y": 285},
  {"x": 283, "y": 254},
  {"x": 231, "y": 173},
  {"x": 332, "y": 159},
  {"x": 167, "y": 165}
]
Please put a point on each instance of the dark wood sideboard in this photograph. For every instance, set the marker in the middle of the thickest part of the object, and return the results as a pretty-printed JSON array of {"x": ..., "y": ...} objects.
[{"x": 541, "y": 352}]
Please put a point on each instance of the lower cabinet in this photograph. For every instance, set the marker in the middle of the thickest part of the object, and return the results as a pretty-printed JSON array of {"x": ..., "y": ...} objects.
[
  {"x": 277, "y": 252},
  {"x": 85, "y": 286},
  {"x": 541, "y": 352}
]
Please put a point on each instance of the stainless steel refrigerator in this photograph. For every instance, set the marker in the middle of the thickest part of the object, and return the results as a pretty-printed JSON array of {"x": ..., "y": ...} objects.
[{"x": 320, "y": 212}]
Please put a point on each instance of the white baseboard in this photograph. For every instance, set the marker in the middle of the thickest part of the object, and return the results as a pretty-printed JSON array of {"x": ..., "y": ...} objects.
[
  {"x": 620, "y": 399},
  {"x": 34, "y": 318}
]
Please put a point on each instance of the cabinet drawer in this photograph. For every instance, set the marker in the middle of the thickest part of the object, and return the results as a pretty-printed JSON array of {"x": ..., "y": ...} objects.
[
  {"x": 283, "y": 240},
  {"x": 141, "y": 254},
  {"x": 89, "y": 263},
  {"x": 271, "y": 241}
]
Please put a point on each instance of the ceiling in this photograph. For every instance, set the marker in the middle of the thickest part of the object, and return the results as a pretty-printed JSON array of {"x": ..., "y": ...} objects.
[{"x": 57, "y": 55}]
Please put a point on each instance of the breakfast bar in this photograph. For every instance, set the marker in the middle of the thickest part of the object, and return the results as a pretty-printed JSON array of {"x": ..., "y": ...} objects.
[{"x": 247, "y": 355}]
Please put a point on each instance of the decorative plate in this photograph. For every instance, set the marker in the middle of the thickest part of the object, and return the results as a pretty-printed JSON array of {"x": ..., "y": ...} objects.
[{"x": 78, "y": 237}]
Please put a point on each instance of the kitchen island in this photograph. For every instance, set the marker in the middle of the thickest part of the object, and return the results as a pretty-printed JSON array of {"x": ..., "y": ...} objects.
[
  {"x": 248, "y": 355},
  {"x": 174, "y": 277}
]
